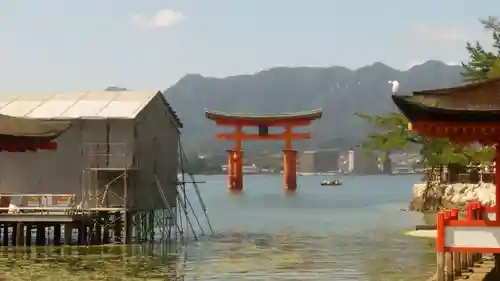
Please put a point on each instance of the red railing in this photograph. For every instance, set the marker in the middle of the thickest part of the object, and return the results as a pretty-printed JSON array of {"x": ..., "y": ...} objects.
[{"x": 461, "y": 242}]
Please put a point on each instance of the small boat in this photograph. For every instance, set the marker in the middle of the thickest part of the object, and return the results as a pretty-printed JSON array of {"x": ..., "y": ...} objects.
[{"x": 331, "y": 182}]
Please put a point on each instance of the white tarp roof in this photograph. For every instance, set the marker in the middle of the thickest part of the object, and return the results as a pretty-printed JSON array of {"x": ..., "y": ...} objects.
[{"x": 104, "y": 104}]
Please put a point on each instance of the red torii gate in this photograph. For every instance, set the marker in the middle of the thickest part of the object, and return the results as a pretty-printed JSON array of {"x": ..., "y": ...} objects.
[{"x": 286, "y": 121}]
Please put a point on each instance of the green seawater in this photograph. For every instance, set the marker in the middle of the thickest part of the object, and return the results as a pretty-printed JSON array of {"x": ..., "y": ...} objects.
[{"x": 349, "y": 232}]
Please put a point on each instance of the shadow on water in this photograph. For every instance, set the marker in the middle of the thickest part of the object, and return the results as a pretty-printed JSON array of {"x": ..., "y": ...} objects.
[
  {"x": 234, "y": 255},
  {"x": 109, "y": 262}
]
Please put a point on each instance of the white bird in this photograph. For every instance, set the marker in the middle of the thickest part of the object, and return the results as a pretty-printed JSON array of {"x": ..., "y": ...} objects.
[{"x": 395, "y": 86}]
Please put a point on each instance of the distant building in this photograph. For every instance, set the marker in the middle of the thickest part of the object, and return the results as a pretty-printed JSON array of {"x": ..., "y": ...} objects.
[
  {"x": 247, "y": 169},
  {"x": 319, "y": 161},
  {"x": 350, "y": 161},
  {"x": 306, "y": 162},
  {"x": 366, "y": 164}
]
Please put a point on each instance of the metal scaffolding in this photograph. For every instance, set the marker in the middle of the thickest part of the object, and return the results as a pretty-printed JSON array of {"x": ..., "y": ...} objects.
[{"x": 107, "y": 176}]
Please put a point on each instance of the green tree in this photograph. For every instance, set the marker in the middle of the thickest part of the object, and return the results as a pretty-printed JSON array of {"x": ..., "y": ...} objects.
[
  {"x": 391, "y": 134},
  {"x": 495, "y": 70},
  {"x": 481, "y": 63}
]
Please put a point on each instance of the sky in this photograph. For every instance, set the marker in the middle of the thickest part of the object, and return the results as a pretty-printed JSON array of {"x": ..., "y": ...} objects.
[{"x": 87, "y": 45}]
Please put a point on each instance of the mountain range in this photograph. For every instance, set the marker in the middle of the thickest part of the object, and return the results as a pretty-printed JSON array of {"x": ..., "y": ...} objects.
[{"x": 340, "y": 91}]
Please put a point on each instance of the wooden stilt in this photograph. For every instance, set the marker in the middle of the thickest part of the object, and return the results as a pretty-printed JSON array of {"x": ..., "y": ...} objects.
[
  {"x": 118, "y": 228},
  {"x": 85, "y": 233},
  {"x": 15, "y": 229},
  {"x": 28, "y": 235},
  {"x": 456, "y": 264},
  {"x": 497, "y": 266},
  {"x": 96, "y": 235},
  {"x": 20, "y": 234},
  {"x": 40, "y": 235},
  {"x": 5, "y": 234},
  {"x": 450, "y": 274},
  {"x": 440, "y": 262},
  {"x": 68, "y": 233},
  {"x": 151, "y": 225},
  {"x": 80, "y": 235},
  {"x": 105, "y": 234},
  {"x": 57, "y": 234},
  {"x": 128, "y": 227}
]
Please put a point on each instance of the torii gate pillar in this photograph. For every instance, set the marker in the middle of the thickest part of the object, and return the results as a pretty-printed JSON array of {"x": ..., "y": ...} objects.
[
  {"x": 290, "y": 169},
  {"x": 235, "y": 170}
]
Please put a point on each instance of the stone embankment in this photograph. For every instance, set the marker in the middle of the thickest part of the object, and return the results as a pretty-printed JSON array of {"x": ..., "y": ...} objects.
[{"x": 451, "y": 195}]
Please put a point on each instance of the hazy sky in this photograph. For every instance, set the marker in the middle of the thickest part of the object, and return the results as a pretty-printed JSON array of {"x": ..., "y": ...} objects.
[{"x": 79, "y": 45}]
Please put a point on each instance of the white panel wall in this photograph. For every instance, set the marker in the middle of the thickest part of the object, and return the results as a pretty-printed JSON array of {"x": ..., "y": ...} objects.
[
  {"x": 45, "y": 171},
  {"x": 477, "y": 237},
  {"x": 62, "y": 171},
  {"x": 157, "y": 140}
]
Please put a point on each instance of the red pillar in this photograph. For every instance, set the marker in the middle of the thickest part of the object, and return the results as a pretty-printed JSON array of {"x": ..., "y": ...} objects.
[
  {"x": 238, "y": 170},
  {"x": 230, "y": 169},
  {"x": 497, "y": 182},
  {"x": 290, "y": 169}
]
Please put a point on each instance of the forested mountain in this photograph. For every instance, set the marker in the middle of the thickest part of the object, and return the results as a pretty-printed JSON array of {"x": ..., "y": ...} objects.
[{"x": 338, "y": 90}]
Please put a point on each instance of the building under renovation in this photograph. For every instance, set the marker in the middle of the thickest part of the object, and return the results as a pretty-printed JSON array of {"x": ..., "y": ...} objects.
[{"x": 120, "y": 153}]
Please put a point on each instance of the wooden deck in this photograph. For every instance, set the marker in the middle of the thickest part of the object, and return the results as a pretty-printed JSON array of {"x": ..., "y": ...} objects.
[{"x": 44, "y": 218}]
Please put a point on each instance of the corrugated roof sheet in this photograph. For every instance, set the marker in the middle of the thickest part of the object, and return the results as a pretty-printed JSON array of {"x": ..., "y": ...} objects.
[{"x": 105, "y": 104}]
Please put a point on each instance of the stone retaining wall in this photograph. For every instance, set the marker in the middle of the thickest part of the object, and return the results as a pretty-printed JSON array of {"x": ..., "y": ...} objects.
[{"x": 451, "y": 195}]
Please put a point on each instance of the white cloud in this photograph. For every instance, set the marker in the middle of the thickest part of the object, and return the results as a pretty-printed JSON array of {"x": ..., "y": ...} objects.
[
  {"x": 161, "y": 19},
  {"x": 430, "y": 33}
]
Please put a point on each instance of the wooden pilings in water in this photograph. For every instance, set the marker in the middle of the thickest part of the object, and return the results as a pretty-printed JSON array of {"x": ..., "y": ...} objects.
[
  {"x": 451, "y": 266},
  {"x": 89, "y": 230},
  {"x": 100, "y": 228}
]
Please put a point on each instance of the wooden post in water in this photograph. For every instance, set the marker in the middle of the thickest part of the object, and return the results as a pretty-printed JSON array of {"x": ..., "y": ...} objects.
[
  {"x": 456, "y": 265},
  {"x": 40, "y": 235},
  {"x": 68, "y": 233},
  {"x": 80, "y": 235},
  {"x": 497, "y": 266},
  {"x": 57, "y": 234},
  {"x": 105, "y": 234},
  {"x": 450, "y": 274},
  {"x": 5, "y": 229},
  {"x": 117, "y": 235},
  {"x": 96, "y": 234},
  {"x": 440, "y": 264},
  {"x": 463, "y": 261},
  {"x": 20, "y": 234},
  {"x": 14, "y": 235},
  {"x": 470, "y": 260},
  {"x": 128, "y": 227},
  {"x": 84, "y": 231},
  {"x": 28, "y": 235},
  {"x": 151, "y": 225}
]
